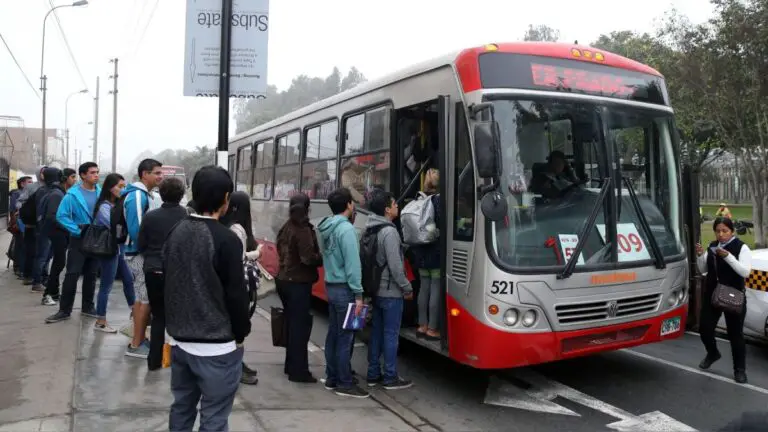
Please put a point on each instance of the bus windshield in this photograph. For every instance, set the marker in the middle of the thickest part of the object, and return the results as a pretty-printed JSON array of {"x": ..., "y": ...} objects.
[{"x": 557, "y": 155}]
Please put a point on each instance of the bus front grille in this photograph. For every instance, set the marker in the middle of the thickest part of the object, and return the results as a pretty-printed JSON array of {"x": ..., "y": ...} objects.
[{"x": 576, "y": 313}]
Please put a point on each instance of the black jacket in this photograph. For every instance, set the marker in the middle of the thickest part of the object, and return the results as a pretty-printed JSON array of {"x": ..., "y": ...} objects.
[
  {"x": 54, "y": 193},
  {"x": 205, "y": 296},
  {"x": 723, "y": 274},
  {"x": 154, "y": 230}
]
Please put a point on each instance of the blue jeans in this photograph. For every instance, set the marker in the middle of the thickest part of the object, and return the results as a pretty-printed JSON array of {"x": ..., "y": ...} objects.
[
  {"x": 43, "y": 255},
  {"x": 109, "y": 268},
  {"x": 210, "y": 381},
  {"x": 385, "y": 336},
  {"x": 338, "y": 342}
]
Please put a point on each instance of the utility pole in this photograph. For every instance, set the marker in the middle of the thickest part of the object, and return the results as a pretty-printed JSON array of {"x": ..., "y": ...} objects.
[
  {"x": 96, "y": 121},
  {"x": 44, "y": 89},
  {"x": 224, "y": 53},
  {"x": 114, "y": 117}
]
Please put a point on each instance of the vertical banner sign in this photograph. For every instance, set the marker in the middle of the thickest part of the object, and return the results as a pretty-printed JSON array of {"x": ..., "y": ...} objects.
[{"x": 248, "y": 54}]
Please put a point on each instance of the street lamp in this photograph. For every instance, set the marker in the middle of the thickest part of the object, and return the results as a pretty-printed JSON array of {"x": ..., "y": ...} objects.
[
  {"x": 43, "y": 78},
  {"x": 66, "y": 127}
]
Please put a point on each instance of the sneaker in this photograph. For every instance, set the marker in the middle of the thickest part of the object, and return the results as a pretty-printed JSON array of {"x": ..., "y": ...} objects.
[
  {"x": 91, "y": 313},
  {"x": 141, "y": 351},
  {"x": 58, "y": 316},
  {"x": 740, "y": 376},
  {"x": 48, "y": 301},
  {"x": 105, "y": 328},
  {"x": 708, "y": 361},
  {"x": 328, "y": 385},
  {"x": 353, "y": 392},
  {"x": 398, "y": 384},
  {"x": 38, "y": 288},
  {"x": 373, "y": 382},
  {"x": 248, "y": 379},
  {"x": 27, "y": 282}
]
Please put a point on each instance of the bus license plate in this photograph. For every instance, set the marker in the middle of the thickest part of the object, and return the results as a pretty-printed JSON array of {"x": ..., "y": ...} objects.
[{"x": 670, "y": 325}]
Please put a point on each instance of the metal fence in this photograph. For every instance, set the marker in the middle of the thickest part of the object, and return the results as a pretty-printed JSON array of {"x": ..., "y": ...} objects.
[{"x": 727, "y": 185}]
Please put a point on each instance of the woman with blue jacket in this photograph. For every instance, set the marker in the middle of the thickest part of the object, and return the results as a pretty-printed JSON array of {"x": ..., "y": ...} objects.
[{"x": 110, "y": 193}]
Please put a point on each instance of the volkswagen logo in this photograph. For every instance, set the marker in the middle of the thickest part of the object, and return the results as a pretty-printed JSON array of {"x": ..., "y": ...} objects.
[{"x": 612, "y": 308}]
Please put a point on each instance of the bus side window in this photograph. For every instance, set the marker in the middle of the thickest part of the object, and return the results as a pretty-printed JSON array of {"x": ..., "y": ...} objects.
[
  {"x": 262, "y": 173},
  {"x": 464, "y": 191},
  {"x": 365, "y": 160}
]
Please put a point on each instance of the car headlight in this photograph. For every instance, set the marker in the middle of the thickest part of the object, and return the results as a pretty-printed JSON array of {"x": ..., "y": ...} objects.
[
  {"x": 529, "y": 318},
  {"x": 511, "y": 316}
]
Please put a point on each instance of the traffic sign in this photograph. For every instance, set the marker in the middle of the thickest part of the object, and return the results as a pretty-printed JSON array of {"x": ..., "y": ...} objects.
[{"x": 248, "y": 54}]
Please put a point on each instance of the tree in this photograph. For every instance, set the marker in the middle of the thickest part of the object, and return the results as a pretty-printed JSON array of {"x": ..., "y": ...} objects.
[
  {"x": 725, "y": 66},
  {"x": 698, "y": 138},
  {"x": 303, "y": 91},
  {"x": 541, "y": 33}
]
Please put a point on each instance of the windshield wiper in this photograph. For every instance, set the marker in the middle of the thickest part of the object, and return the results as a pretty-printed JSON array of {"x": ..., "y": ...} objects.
[
  {"x": 655, "y": 251},
  {"x": 570, "y": 266}
]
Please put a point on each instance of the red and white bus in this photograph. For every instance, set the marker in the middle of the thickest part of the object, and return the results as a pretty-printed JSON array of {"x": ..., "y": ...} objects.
[{"x": 562, "y": 222}]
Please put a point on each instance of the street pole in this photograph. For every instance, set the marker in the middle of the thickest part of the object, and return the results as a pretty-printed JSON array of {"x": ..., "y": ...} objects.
[
  {"x": 44, "y": 141},
  {"x": 114, "y": 117},
  {"x": 44, "y": 79},
  {"x": 224, "y": 59},
  {"x": 96, "y": 120}
]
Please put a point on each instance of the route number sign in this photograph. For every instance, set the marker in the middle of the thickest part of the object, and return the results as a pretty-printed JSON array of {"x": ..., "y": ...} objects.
[
  {"x": 631, "y": 245},
  {"x": 568, "y": 244}
]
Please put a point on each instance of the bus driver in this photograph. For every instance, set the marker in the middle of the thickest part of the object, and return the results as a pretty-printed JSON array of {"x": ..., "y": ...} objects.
[{"x": 555, "y": 178}]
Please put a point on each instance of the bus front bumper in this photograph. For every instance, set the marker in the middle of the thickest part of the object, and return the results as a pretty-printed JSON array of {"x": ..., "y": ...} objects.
[{"x": 478, "y": 344}]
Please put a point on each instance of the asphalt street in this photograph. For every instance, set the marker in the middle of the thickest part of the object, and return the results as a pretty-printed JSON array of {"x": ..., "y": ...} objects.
[{"x": 650, "y": 388}]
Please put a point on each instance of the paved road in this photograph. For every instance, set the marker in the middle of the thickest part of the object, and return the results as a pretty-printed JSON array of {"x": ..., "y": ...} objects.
[{"x": 649, "y": 388}]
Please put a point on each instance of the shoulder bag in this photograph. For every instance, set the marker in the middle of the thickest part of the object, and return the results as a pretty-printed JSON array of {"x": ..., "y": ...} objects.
[
  {"x": 727, "y": 298},
  {"x": 97, "y": 240}
]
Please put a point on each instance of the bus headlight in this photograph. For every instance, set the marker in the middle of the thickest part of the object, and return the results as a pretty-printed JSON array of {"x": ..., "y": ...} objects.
[
  {"x": 672, "y": 299},
  {"x": 529, "y": 318},
  {"x": 681, "y": 296},
  {"x": 511, "y": 316}
]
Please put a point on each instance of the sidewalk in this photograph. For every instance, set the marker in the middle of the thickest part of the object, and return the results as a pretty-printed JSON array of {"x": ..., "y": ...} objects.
[{"x": 66, "y": 377}]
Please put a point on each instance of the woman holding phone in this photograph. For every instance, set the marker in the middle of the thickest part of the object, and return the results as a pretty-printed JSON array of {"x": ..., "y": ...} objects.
[{"x": 726, "y": 261}]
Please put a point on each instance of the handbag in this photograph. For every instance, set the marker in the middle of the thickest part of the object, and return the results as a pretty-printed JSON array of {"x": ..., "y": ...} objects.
[
  {"x": 97, "y": 240},
  {"x": 279, "y": 327},
  {"x": 727, "y": 298}
]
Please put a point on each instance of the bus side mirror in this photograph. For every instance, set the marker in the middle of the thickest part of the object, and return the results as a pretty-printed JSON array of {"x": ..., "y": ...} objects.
[
  {"x": 494, "y": 206},
  {"x": 487, "y": 149}
]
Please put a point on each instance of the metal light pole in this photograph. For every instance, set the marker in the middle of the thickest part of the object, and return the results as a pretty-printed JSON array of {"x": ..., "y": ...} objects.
[
  {"x": 66, "y": 125},
  {"x": 114, "y": 117},
  {"x": 44, "y": 79}
]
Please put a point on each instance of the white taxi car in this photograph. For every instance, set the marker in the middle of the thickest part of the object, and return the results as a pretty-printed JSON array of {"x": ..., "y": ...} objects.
[{"x": 756, "y": 321}]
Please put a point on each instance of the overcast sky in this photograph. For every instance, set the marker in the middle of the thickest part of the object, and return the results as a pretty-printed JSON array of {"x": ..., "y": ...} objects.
[{"x": 305, "y": 37}]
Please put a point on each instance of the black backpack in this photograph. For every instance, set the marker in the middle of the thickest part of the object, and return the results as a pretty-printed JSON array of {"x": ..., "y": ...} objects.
[
  {"x": 369, "y": 247},
  {"x": 28, "y": 210}
]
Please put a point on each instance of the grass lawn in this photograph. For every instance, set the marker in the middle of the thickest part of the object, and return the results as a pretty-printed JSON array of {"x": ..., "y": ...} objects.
[{"x": 739, "y": 212}]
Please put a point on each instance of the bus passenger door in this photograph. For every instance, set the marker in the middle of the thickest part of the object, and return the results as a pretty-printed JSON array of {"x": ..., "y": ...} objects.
[{"x": 443, "y": 164}]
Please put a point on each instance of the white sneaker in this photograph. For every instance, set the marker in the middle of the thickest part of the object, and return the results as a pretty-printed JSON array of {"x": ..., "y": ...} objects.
[
  {"x": 104, "y": 328},
  {"x": 49, "y": 301}
]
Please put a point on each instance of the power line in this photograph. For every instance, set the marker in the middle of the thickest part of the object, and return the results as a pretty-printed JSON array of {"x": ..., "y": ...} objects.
[
  {"x": 144, "y": 31},
  {"x": 66, "y": 43},
  {"x": 19, "y": 66}
]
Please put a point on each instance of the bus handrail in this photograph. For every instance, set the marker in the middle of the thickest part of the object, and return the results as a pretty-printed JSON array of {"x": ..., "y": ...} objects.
[
  {"x": 657, "y": 256},
  {"x": 413, "y": 181},
  {"x": 570, "y": 266}
]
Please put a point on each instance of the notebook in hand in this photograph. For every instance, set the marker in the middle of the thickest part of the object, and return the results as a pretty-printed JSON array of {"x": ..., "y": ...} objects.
[{"x": 352, "y": 321}]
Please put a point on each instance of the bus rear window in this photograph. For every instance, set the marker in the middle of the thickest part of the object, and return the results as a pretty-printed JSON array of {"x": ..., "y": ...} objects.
[{"x": 505, "y": 70}]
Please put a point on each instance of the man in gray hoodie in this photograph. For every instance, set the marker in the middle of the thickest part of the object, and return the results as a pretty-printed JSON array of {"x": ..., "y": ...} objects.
[{"x": 394, "y": 287}]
